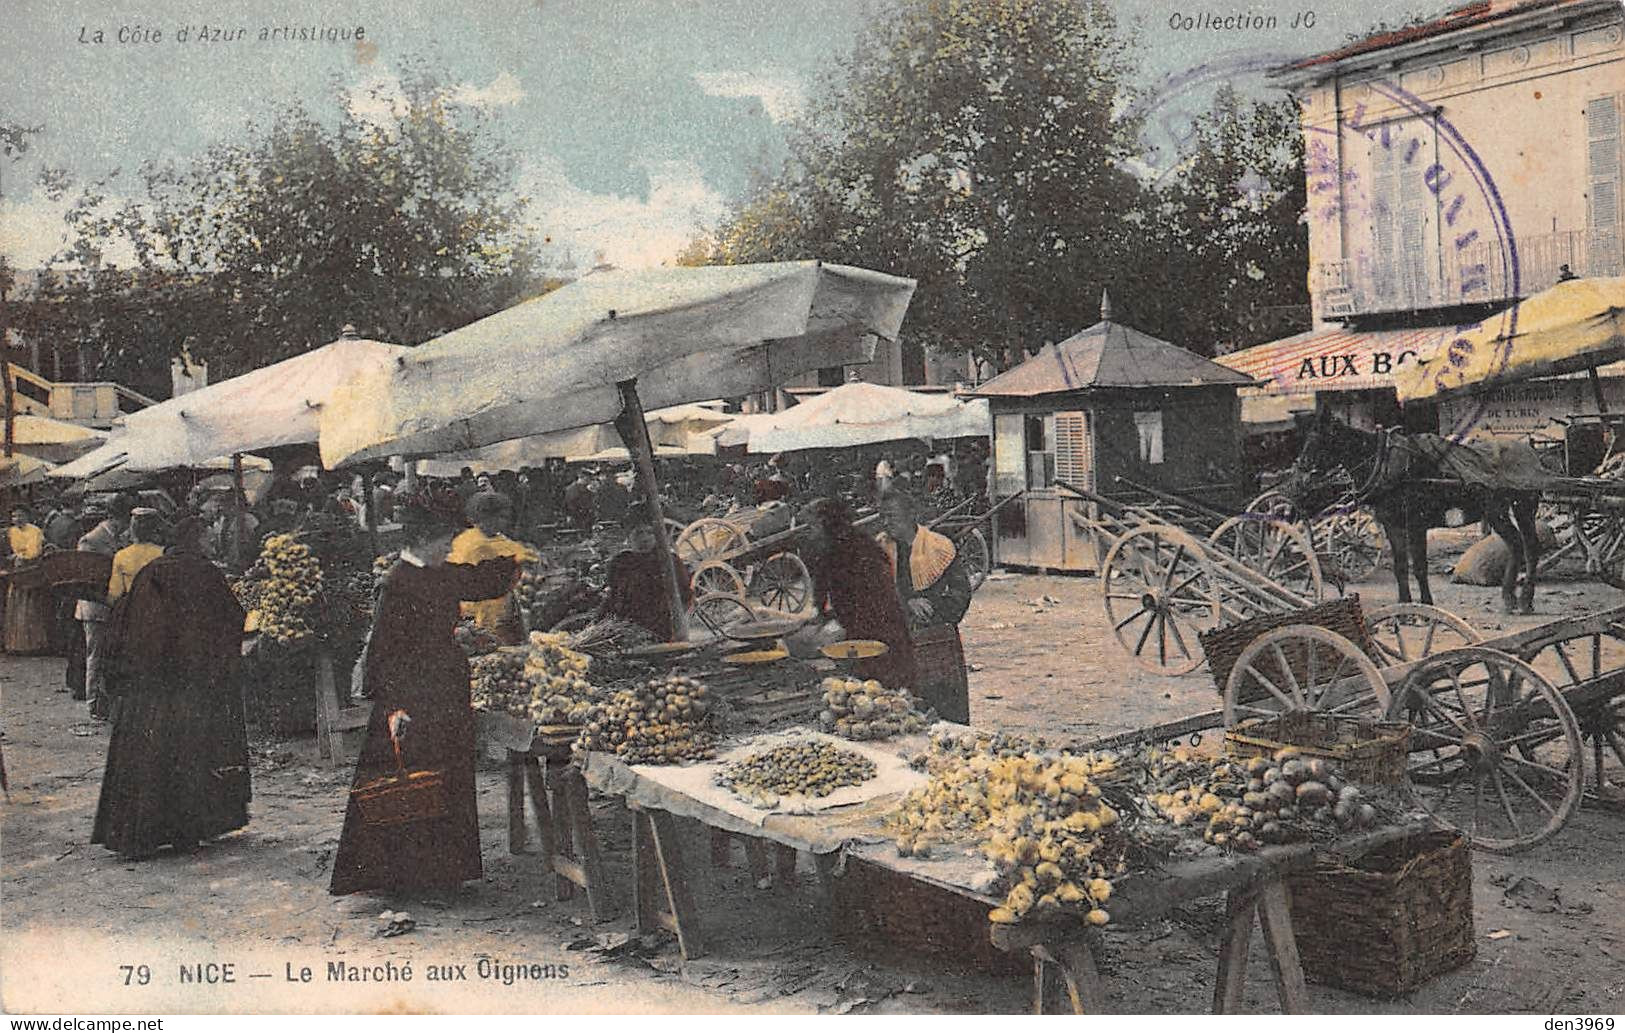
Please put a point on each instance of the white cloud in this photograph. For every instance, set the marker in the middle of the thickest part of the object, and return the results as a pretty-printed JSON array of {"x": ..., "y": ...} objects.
[
  {"x": 33, "y": 231},
  {"x": 504, "y": 91},
  {"x": 782, "y": 94},
  {"x": 629, "y": 232}
]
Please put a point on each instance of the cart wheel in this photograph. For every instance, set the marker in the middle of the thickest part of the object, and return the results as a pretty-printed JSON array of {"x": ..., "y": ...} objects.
[
  {"x": 1410, "y": 631},
  {"x": 1572, "y": 662},
  {"x": 1302, "y": 667},
  {"x": 1353, "y": 540},
  {"x": 1495, "y": 750},
  {"x": 713, "y": 577},
  {"x": 782, "y": 583},
  {"x": 1159, "y": 592},
  {"x": 1275, "y": 504},
  {"x": 978, "y": 560},
  {"x": 720, "y": 611},
  {"x": 708, "y": 538},
  {"x": 1274, "y": 548}
]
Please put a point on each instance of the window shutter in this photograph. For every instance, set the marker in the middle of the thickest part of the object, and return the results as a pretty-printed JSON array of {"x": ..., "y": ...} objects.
[
  {"x": 1074, "y": 462},
  {"x": 1384, "y": 223},
  {"x": 1603, "y": 187}
]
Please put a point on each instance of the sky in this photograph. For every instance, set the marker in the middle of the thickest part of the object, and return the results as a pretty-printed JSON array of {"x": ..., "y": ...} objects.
[{"x": 637, "y": 122}]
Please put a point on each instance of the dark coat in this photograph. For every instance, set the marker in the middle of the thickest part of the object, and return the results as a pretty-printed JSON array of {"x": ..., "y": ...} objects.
[
  {"x": 177, "y": 760},
  {"x": 855, "y": 586},
  {"x": 413, "y": 663}
]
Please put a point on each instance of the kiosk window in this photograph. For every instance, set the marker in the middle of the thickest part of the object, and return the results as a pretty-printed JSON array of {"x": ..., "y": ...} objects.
[{"x": 1149, "y": 425}]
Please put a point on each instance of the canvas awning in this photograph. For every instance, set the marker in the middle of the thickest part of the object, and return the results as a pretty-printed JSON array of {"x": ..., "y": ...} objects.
[
  {"x": 860, "y": 414},
  {"x": 679, "y": 429},
  {"x": 1335, "y": 359},
  {"x": 680, "y": 334},
  {"x": 18, "y": 470},
  {"x": 1570, "y": 327},
  {"x": 279, "y": 404}
]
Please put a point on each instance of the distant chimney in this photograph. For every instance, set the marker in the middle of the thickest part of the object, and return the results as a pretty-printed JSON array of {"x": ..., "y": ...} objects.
[
  {"x": 1105, "y": 306},
  {"x": 349, "y": 333}
]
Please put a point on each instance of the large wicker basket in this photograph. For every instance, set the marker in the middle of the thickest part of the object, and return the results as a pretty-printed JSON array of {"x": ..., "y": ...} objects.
[
  {"x": 1370, "y": 752},
  {"x": 1387, "y": 923},
  {"x": 1223, "y": 645}
]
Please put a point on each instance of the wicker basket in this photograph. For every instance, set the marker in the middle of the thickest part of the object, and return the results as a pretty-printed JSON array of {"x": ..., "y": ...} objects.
[
  {"x": 1223, "y": 645},
  {"x": 1369, "y": 752},
  {"x": 1387, "y": 923},
  {"x": 397, "y": 799}
]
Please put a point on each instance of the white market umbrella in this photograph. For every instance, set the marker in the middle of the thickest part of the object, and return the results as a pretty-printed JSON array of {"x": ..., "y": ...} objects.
[
  {"x": 18, "y": 470},
  {"x": 679, "y": 429},
  {"x": 861, "y": 414},
  {"x": 559, "y": 361},
  {"x": 610, "y": 344},
  {"x": 279, "y": 404}
]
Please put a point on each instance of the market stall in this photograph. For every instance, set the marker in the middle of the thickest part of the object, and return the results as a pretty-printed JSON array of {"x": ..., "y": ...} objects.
[
  {"x": 860, "y": 414},
  {"x": 613, "y": 344}
]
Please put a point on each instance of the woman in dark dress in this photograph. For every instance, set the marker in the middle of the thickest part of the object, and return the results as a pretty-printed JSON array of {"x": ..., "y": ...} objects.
[
  {"x": 853, "y": 583},
  {"x": 177, "y": 760},
  {"x": 414, "y": 665}
]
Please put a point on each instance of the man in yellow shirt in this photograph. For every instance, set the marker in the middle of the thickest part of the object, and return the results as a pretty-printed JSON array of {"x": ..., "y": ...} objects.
[
  {"x": 491, "y": 514},
  {"x": 128, "y": 561}
]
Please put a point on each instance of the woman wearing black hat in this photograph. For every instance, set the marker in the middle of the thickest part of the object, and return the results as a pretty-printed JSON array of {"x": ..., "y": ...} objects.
[{"x": 418, "y": 680}]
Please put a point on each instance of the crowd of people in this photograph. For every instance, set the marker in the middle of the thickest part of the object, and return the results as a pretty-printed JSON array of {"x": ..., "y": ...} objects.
[{"x": 158, "y": 652}]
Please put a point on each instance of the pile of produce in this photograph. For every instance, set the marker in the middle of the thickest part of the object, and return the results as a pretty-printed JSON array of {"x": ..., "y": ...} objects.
[
  {"x": 949, "y": 749},
  {"x": 864, "y": 710},
  {"x": 500, "y": 685},
  {"x": 808, "y": 768},
  {"x": 557, "y": 674},
  {"x": 1258, "y": 802},
  {"x": 661, "y": 721},
  {"x": 284, "y": 587},
  {"x": 1038, "y": 816}
]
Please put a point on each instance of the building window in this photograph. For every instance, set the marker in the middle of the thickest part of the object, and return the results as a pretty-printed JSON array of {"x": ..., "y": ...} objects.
[
  {"x": 1602, "y": 183},
  {"x": 1040, "y": 435},
  {"x": 1009, "y": 455},
  {"x": 1149, "y": 426},
  {"x": 1400, "y": 220},
  {"x": 831, "y": 376}
]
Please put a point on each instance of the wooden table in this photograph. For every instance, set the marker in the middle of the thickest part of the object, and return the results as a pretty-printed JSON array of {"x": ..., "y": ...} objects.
[{"x": 1254, "y": 886}]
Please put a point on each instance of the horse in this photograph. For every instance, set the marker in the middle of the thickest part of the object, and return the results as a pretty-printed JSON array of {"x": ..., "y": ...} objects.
[{"x": 1411, "y": 482}]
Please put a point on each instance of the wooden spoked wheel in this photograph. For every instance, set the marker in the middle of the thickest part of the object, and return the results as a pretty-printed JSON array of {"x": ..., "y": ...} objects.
[
  {"x": 709, "y": 538},
  {"x": 714, "y": 577},
  {"x": 782, "y": 583},
  {"x": 1274, "y": 548},
  {"x": 1272, "y": 503},
  {"x": 574, "y": 622},
  {"x": 1159, "y": 592},
  {"x": 721, "y": 611},
  {"x": 1410, "y": 631},
  {"x": 1587, "y": 659},
  {"x": 1302, "y": 667},
  {"x": 977, "y": 558},
  {"x": 1351, "y": 538},
  {"x": 1495, "y": 750}
]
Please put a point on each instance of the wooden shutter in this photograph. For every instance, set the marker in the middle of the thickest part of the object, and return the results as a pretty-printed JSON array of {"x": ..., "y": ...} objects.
[
  {"x": 1603, "y": 187},
  {"x": 1384, "y": 225},
  {"x": 1074, "y": 457}
]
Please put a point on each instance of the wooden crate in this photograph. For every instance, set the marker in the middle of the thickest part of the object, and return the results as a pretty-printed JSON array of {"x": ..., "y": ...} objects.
[
  {"x": 1386, "y": 923},
  {"x": 874, "y": 905},
  {"x": 1369, "y": 752}
]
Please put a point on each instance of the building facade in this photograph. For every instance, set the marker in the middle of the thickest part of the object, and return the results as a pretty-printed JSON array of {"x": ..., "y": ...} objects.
[{"x": 1464, "y": 162}]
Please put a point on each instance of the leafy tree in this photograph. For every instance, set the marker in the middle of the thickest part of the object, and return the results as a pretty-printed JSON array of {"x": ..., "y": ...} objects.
[
  {"x": 1223, "y": 244},
  {"x": 975, "y": 145},
  {"x": 404, "y": 224}
]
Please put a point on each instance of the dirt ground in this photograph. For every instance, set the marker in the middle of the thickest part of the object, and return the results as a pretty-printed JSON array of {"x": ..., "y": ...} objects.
[{"x": 1042, "y": 661}]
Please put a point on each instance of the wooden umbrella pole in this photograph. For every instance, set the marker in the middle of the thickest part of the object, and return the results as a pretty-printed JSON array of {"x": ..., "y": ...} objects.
[
  {"x": 238, "y": 498},
  {"x": 634, "y": 431}
]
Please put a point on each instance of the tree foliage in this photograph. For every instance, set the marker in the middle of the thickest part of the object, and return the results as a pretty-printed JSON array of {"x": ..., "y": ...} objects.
[
  {"x": 984, "y": 147},
  {"x": 398, "y": 216},
  {"x": 1224, "y": 249},
  {"x": 970, "y": 144}
]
